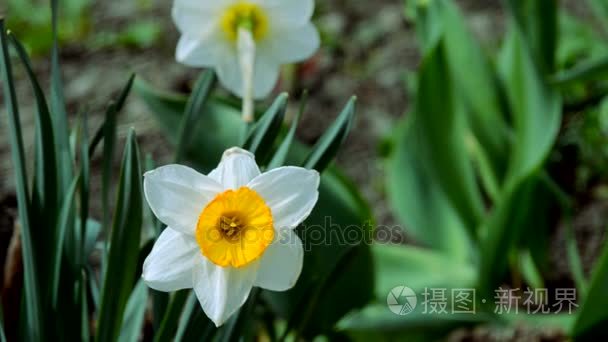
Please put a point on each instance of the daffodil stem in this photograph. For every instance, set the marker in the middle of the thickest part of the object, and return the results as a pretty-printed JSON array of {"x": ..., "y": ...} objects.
[{"x": 246, "y": 51}]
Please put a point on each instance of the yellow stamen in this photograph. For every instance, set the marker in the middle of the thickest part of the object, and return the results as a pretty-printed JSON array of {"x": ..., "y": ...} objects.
[
  {"x": 235, "y": 228},
  {"x": 247, "y": 15}
]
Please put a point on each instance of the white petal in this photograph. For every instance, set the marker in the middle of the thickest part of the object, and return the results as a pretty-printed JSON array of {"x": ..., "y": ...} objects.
[
  {"x": 200, "y": 51},
  {"x": 170, "y": 265},
  {"x": 290, "y": 192},
  {"x": 177, "y": 194},
  {"x": 206, "y": 7},
  {"x": 281, "y": 264},
  {"x": 265, "y": 73},
  {"x": 222, "y": 290},
  {"x": 292, "y": 44},
  {"x": 236, "y": 169},
  {"x": 193, "y": 20},
  {"x": 288, "y": 12}
]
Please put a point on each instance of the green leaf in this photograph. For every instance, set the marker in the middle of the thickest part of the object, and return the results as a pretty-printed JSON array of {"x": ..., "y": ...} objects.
[
  {"x": 194, "y": 107},
  {"x": 266, "y": 130},
  {"x": 477, "y": 87},
  {"x": 537, "y": 21},
  {"x": 45, "y": 196},
  {"x": 441, "y": 127},
  {"x": 85, "y": 173},
  {"x": 62, "y": 227},
  {"x": 281, "y": 154},
  {"x": 134, "y": 314},
  {"x": 599, "y": 8},
  {"x": 418, "y": 269},
  {"x": 58, "y": 109},
  {"x": 574, "y": 261},
  {"x": 535, "y": 105},
  {"x": 33, "y": 305},
  {"x": 124, "y": 245},
  {"x": 536, "y": 116},
  {"x": 111, "y": 112},
  {"x": 194, "y": 324},
  {"x": 328, "y": 145},
  {"x": 590, "y": 321},
  {"x": 413, "y": 194},
  {"x": 596, "y": 69},
  {"x": 376, "y": 322},
  {"x": 171, "y": 318}
]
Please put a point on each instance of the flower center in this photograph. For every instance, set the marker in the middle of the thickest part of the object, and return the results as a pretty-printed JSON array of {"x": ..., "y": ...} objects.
[
  {"x": 247, "y": 15},
  {"x": 235, "y": 228}
]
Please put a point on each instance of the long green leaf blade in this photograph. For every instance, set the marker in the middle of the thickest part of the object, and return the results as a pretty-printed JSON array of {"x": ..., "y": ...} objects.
[
  {"x": 281, "y": 154},
  {"x": 596, "y": 69},
  {"x": 45, "y": 197},
  {"x": 62, "y": 227},
  {"x": 134, "y": 314},
  {"x": 58, "y": 109},
  {"x": 33, "y": 304},
  {"x": 170, "y": 321},
  {"x": 591, "y": 319},
  {"x": 194, "y": 108},
  {"x": 327, "y": 147},
  {"x": 194, "y": 324},
  {"x": 124, "y": 248},
  {"x": 264, "y": 133}
]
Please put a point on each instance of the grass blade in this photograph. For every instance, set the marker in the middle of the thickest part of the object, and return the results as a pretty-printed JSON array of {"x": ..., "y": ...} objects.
[
  {"x": 260, "y": 140},
  {"x": 194, "y": 108},
  {"x": 33, "y": 303},
  {"x": 327, "y": 147},
  {"x": 124, "y": 248},
  {"x": 281, "y": 154}
]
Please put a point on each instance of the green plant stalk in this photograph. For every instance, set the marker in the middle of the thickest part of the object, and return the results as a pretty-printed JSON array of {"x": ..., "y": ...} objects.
[{"x": 33, "y": 305}]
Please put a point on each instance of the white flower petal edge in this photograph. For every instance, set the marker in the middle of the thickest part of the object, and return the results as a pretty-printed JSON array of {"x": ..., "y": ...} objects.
[
  {"x": 290, "y": 192},
  {"x": 237, "y": 168},
  {"x": 292, "y": 44},
  {"x": 169, "y": 265},
  {"x": 288, "y": 13},
  {"x": 221, "y": 291},
  {"x": 177, "y": 194},
  {"x": 281, "y": 263}
]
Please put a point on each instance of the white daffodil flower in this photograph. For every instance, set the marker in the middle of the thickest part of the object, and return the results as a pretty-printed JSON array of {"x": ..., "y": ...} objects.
[
  {"x": 228, "y": 231},
  {"x": 246, "y": 41}
]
